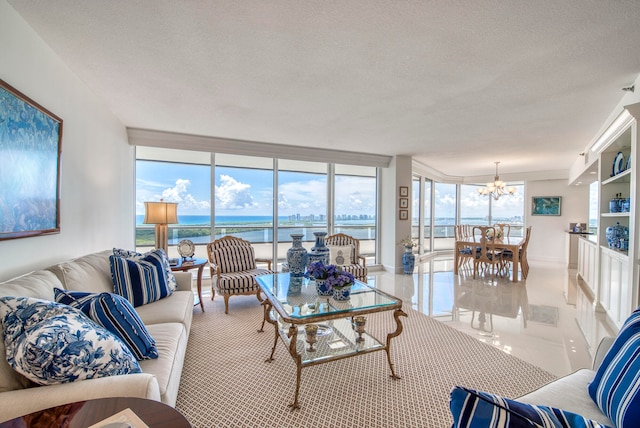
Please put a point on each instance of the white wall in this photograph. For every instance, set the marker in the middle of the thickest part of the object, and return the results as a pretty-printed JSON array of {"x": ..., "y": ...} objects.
[
  {"x": 548, "y": 233},
  {"x": 97, "y": 204},
  {"x": 393, "y": 230}
]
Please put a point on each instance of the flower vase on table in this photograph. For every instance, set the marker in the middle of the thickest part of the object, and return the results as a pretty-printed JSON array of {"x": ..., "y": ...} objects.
[
  {"x": 341, "y": 293},
  {"x": 319, "y": 272},
  {"x": 322, "y": 289},
  {"x": 340, "y": 284}
]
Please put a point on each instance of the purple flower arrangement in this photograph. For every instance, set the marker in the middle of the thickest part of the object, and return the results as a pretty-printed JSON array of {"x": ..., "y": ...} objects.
[
  {"x": 319, "y": 270},
  {"x": 334, "y": 276}
]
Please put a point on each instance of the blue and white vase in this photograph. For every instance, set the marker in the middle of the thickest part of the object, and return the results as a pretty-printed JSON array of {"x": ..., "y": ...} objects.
[
  {"x": 342, "y": 293},
  {"x": 322, "y": 288},
  {"x": 319, "y": 251},
  {"x": 408, "y": 260},
  {"x": 297, "y": 256}
]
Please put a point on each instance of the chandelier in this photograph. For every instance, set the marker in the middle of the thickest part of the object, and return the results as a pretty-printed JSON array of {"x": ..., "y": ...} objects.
[{"x": 497, "y": 188}]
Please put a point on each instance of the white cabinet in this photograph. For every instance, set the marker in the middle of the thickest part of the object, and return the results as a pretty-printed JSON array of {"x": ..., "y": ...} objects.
[
  {"x": 585, "y": 316},
  {"x": 615, "y": 295},
  {"x": 588, "y": 262}
]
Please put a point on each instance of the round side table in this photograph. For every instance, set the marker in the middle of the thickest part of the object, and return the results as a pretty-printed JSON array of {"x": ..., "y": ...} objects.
[
  {"x": 83, "y": 414},
  {"x": 193, "y": 263}
]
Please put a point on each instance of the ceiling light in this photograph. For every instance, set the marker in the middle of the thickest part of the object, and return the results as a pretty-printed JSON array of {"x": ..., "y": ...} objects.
[{"x": 497, "y": 188}]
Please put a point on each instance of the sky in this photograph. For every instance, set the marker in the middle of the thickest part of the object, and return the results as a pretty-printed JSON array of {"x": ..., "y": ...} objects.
[{"x": 245, "y": 191}]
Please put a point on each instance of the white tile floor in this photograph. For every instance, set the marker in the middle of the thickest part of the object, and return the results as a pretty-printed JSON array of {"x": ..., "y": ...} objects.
[{"x": 544, "y": 333}]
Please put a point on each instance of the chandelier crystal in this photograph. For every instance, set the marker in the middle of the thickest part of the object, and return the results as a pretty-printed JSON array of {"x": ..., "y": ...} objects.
[{"x": 497, "y": 188}]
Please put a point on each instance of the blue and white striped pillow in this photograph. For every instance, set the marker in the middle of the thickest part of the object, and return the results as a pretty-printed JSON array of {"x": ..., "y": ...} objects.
[
  {"x": 475, "y": 409},
  {"x": 140, "y": 280},
  {"x": 615, "y": 388},
  {"x": 116, "y": 314},
  {"x": 171, "y": 278}
]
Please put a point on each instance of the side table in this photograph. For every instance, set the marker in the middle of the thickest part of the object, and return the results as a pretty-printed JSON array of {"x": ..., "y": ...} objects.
[
  {"x": 86, "y": 413},
  {"x": 193, "y": 263}
]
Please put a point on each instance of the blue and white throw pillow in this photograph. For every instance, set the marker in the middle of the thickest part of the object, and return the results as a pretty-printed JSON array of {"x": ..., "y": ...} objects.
[
  {"x": 475, "y": 409},
  {"x": 615, "y": 388},
  {"x": 171, "y": 278},
  {"x": 51, "y": 343},
  {"x": 140, "y": 280},
  {"x": 116, "y": 314}
]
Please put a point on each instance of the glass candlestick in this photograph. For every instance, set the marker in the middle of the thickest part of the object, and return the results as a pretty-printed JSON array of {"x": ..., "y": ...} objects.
[
  {"x": 359, "y": 322},
  {"x": 311, "y": 331}
]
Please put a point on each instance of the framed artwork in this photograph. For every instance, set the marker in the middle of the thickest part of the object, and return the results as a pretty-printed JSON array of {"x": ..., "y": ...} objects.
[
  {"x": 404, "y": 214},
  {"x": 546, "y": 205},
  {"x": 404, "y": 191},
  {"x": 404, "y": 202},
  {"x": 30, "y": 143}
]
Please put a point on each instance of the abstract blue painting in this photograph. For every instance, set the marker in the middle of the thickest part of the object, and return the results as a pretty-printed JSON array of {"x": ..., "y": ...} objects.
[{"x": 30, "y": 147}]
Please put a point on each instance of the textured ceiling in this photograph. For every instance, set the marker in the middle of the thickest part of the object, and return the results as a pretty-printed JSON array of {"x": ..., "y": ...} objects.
[{"x": 455, "y": 84}]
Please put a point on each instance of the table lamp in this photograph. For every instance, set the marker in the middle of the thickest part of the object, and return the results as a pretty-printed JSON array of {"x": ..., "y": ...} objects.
[{"x": 161, "y": 214}]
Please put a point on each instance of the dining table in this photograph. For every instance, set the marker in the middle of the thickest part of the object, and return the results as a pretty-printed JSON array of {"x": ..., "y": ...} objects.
[{"x": 512, "y": 243}]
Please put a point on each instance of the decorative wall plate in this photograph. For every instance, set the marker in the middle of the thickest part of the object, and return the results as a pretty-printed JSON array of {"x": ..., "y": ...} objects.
[
  {"x": 186, "y": 248},
  {"x": 618, "y": 164},
  {"x": 628, "y": 162}
]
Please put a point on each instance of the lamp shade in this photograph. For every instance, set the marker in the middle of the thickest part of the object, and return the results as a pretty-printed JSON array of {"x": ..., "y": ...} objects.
[{"x": 160, "y": 212}]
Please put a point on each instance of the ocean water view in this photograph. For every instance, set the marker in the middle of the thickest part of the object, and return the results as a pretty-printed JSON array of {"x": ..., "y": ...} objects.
[{"x": 258, "y": 229}]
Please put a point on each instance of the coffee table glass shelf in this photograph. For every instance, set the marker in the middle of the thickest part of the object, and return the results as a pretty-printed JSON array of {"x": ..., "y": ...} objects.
[{"x": 318, "y": 329}]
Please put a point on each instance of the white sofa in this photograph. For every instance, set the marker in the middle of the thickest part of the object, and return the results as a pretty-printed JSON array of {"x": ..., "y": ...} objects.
[
  {"x": 168, "y": 321},
  {"x": 570, "y": 392}
]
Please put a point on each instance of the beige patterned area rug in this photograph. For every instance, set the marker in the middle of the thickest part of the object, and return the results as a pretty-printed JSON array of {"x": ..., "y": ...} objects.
[{"x": 227, "y": 383}]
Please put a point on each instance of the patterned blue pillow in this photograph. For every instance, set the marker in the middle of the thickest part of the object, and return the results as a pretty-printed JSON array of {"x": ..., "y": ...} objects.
[
  {"x": 140, "y": 280},
  {"x": 475, "y": 409},
  {"x": 51, "y": 343},
  {"x": 615, "y": 388},
  {"x": 116, "y": 314},
  {"x": 171, "y": 278}
]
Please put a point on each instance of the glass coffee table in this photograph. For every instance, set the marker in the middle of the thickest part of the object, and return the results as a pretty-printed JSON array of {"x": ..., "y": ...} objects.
[{"x": 318, "y": 329}]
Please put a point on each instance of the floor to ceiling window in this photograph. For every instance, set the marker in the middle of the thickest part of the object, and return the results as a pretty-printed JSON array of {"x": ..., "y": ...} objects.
[
  {"x": 426, "y": 215},
  {"x": 236, "y": 197},
  {"x": 474, "y": 208},
  {"x": 416, "y": 196},
  {"x": 355, "y": 206},
  {"x": 445, "y": 203},
  {"x": 243, "y": 203},
  {"x": 302, "y": 202},
  {"x": 440, "y": 206},
  {"x": 174, "y": 176}
]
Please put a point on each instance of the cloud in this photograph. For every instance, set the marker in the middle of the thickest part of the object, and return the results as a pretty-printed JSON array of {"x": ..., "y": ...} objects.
[
  {"x": 179, "y": 193},
  {"x": 303, "y": 197},
  {"x": 233, "y": 195}
]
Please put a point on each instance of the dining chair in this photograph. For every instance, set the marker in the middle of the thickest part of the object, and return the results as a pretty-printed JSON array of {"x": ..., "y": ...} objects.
[
  {"x": 466, "y": 251},
  {"x": 505, "y": 227},
  {"x": 489, "y": 253},
  {"x": 507, "y": 255}
]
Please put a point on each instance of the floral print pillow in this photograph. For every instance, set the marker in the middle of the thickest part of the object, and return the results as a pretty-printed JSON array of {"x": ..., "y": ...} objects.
[{"x": 52, "y": 343}]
